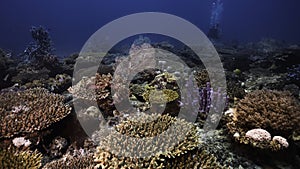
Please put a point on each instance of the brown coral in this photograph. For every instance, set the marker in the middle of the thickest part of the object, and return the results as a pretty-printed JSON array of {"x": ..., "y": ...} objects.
[
  {"x": 118, "y": 150},
  {"x": 11, "y": 158},
  {"x": 29, "y": 111},
  {"x": 93, "y": 88},
  {"x": 96, "y": 88},
  {"x": 201, "y": 77},
  {"x": 84, "y": 161},
  {"x": 275, "y": 111}
]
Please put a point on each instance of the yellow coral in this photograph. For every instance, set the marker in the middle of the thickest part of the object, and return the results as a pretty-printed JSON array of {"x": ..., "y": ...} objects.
[
  {"x": 160, "y": 96},
  {"x": 25, "y": 159}
]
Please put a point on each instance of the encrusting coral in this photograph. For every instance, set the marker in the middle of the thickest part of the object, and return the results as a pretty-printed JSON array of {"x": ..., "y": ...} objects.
[
  {"x": 11, "y": 158},
  {"x": 274, "y": 111},
  {"x": 146, "y": 141},
  {"x": 29, "y": 111}
]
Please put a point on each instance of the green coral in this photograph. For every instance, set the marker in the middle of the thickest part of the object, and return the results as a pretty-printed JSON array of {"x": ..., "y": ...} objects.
[{"x": 160, "y": 96}]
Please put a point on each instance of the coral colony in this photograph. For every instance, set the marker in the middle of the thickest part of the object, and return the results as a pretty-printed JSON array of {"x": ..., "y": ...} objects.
[{"x": 41, "y": 46}]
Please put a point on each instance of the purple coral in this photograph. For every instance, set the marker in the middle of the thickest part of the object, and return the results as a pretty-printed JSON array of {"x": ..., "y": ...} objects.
[{"x": 203, "y": 99}]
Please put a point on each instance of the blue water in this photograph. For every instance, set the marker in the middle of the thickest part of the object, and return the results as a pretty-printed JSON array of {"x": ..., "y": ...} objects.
[{"x": 72, "y": 22}]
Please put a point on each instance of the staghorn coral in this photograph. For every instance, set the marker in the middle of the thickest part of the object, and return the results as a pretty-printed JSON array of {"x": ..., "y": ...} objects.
[
  {"x": 11, "y": 158},
  {"x": 118, "y": 151},
  {"x": 274, "y": 111},
  {"x": 29, "y": 111}
]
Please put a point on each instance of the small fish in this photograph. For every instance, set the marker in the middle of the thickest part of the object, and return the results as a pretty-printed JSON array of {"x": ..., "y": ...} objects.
[{"x": 6, "y": 77}]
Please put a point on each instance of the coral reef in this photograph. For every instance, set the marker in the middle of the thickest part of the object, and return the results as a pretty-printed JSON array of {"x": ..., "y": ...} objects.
[
  {"x": 11, "y": 158},
  {"x": 30, "y": 110},
  {"x": 276, "y": 112}
]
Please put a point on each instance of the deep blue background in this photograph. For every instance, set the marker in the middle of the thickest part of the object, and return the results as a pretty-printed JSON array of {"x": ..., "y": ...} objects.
[{"x": 71, "y": 22}]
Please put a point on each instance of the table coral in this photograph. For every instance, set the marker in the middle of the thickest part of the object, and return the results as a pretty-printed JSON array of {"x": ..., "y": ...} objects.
[
  {"x": 29, "y": 111},
  {"x": 117, "y": 151}
]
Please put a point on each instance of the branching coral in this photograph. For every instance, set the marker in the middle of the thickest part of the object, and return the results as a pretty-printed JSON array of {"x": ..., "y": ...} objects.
[
  {"x": 274, "y": 111},
  {"x": 79, "y": 160},
  {"x": 11, "y": 158},
  {"x": 29, "y": 111},
  {"x": 132, "y": 143}
]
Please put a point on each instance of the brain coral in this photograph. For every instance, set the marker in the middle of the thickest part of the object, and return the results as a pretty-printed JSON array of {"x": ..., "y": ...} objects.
[
  {"x": 117, "y": 151},
  {"x": 274, "y": 111},
  {"x": 29, "y": 111}
]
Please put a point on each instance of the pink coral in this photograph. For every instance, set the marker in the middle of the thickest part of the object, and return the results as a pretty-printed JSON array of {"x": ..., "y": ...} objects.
[
  {"x": 281, "y": 140},
  {"x": 259, "y": 135}
]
